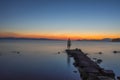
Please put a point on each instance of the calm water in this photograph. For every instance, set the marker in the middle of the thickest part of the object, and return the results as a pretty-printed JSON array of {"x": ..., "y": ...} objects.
[{"x": 39, "y": 60}]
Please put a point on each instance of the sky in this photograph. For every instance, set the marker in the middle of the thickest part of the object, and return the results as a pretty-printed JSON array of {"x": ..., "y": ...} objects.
[{"x": 60, "y": 19}]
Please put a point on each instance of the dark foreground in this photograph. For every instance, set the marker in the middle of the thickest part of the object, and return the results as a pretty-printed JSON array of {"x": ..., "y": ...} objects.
[{"x": 89, "y": 70}]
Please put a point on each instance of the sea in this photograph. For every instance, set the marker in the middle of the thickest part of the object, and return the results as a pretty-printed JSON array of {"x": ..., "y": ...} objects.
[{"x": 47, "y": 59}]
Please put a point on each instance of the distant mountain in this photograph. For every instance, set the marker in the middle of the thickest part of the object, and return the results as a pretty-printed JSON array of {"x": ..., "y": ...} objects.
[
  {"x": 13, "y": 38},
  {"x": 88, "y": 40},
  {"x": 116, "y": 40},
  {"x": 105, "y": 39}
]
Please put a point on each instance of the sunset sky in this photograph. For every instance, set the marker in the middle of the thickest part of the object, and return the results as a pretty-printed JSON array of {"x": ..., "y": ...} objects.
[{"x": 60, "y": 19}]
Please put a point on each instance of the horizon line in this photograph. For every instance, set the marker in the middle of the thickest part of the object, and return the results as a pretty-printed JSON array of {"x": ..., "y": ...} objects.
[{"x": 51, "y": 38}]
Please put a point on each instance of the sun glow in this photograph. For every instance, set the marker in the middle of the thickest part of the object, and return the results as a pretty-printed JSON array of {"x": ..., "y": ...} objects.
[{"x": 59, "y": 36}]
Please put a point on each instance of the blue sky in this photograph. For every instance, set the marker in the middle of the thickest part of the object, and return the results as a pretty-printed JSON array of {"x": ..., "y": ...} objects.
[{"x": 81, "y": 17}]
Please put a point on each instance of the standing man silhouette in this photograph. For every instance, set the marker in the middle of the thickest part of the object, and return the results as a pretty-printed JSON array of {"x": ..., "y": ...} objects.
[{"x": 69, "y": 43}]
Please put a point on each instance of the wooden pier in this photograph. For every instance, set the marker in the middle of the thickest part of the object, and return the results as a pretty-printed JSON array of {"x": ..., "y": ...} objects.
[{"x": 89, "y": 70}]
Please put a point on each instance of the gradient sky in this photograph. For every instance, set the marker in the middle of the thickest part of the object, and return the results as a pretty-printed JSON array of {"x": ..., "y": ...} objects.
[{"x": 77, "y": 19}]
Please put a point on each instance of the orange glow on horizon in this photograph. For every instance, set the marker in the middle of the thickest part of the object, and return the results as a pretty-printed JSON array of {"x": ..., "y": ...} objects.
[{"x": 58, "y": 36}]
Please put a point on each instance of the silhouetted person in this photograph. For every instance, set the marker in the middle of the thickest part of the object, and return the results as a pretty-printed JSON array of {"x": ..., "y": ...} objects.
[{"x": 69, "y": 43}]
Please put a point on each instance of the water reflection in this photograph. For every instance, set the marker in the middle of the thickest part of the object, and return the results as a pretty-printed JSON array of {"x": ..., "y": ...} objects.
[{"x": 68, "y": 60}]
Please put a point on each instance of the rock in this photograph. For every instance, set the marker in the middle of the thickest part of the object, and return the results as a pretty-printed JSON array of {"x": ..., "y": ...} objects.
[
  {"x": 94, "y": 58},
  {"x": 114, "y": 51},
  {"x": 118, "y": 77},
  {"x": 108, "y": 73},
  {"x": 104, "y": 78},
  {"x": 58, "y": 52},
  {"x": 86, "y": 54},
  {"x": 92, "y": 76},
  {"x": 75, "y": 71},
  {"x": 100, "y": 53},
  {"x": 91, "y": 70},
  {"x": 99, "y": 61},
  {"x": 76, "y": 49},
  {"x": 18, "y": 52},
  {"x": 75, "y": 64}
]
